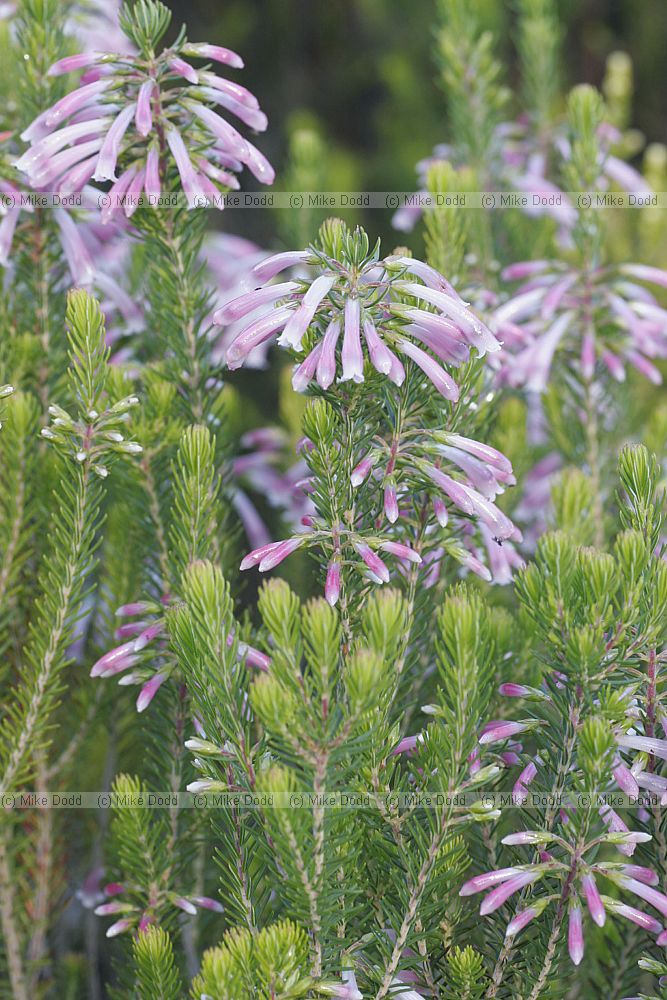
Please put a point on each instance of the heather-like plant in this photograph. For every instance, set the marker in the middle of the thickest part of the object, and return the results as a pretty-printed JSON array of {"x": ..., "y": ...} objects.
[{"x": 425, "y": 755}]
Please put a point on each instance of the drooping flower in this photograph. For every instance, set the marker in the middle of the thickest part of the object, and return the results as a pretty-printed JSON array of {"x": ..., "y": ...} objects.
[
  {"x": 351, "y": 309},
  {"x": 136, "y": 118},
  {"x": 575, "y": 934},
  {"x": 346, "y": 989},
  {"x": 521, "y": 920},
  {"x": 593, "y": 899},
  {"x": 522, "y": 783}
]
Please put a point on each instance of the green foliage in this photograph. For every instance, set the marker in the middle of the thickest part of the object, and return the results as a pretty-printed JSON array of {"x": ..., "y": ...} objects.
[
  {"x": 447, "y": 228},
  {"x": 193, "y": 534},
  {"x": 145, "y": 22},
  {"x": 84, "y": 443},
  {"x": 17, "y": 505},
  {"x": 642, "y": 507},
  {"x": 465, "y": 665},
  {"x": 471, "y": 78},
  {"x": 271, "y": 964},
  {"x": 539, "y": 39},
  {"x": 585, "y": 111},
  {"x": 466, "y": 977},
  {"x": 155, "y": 968},
  {"x": 573, "y": 498}
]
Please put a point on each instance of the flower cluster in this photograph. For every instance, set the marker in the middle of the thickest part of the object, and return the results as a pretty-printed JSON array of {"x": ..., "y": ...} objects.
[
  {"x": 350, "y": 547},
  {"x": 520, "y": 160},
  {"x": 576, "y": 880},
  {"x": 460, "y": 478},
  {"x": 603, "y": 317},
  {"x": 347, "y": 307},
  {"x": 143, "y": 656},
  {"x": 132, "y": 917},
  {"x": 133, "y": 116}
]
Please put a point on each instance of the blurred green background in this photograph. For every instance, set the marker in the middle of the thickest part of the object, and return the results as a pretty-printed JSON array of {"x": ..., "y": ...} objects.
[{"x": 363, "y": 73}]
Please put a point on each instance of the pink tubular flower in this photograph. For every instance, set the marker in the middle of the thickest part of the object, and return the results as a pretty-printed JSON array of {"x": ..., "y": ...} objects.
[
  {"x": 390, "y": 503},
  {"x": 71, "y": 64},
  {"x": 482, "y": 882},
  {"x": 347, "y": 990},
  {"x": 521, "y": 920},
  {"x": 332, "y": 585},
  {"x": 472, "y": 503},
  {"x": 401, "y": 552},
  {"x": 640, "y": 873},
  {"x": 254, "y": 657},
  {"x": 524, "y": 837},
  {"x": 299, "y": 321},
  {"x": 268, "y": 556},
  {"x": 215, "y": 52},
  {"x": 304, "y": 372},
  {"x": 496, "y": 732},
  {"x": 362, "y": 470},
  {"x": 136, "y": 608},
  {"x": 186, "y": 906},
  {"x": 206, "y": 903},
  {"x": 625, "y": 779},
  {"x": 106, "y": 909},
  {"x": 514, "y": 690},
  {"x": 646, "y": 744},
  {"x": 593, "y": 899},
  {"x": 116, "y": 660},
  {"x": 575, "y": 934},
  {"x": 443, "y": 382},
  {"x": 498, "y": 896},
  {"x": 119, "y": 927},
  {"x": 190, "y": 179},
  {"x": 149, "y": 691},
  {"x": 348, "y": 289},
  {"x": 143, "y": 120},
  {"x": 149, "y": 110},
  {"x": 108, "y": 157},
  {"x": 645, "y": 892},
  {"x": 520, "y": 789},
  {"x": 638, "y": 917},
  {"x": 352, "y": 357},
  {"x": 407, "y": 745},
  {"x": 113, "y": 889},
  {"x": 378, "y": 570}
]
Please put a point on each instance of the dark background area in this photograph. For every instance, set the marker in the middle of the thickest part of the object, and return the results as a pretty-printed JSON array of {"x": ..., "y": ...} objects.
[{"x": 363, "y": 73}]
